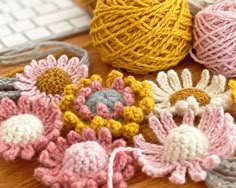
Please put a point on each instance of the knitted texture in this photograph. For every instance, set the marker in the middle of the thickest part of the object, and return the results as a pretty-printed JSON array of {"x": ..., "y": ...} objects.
[
  {"x": 142, "y": 36},
  {"x": 120, "y": 104},
  {"x": 214, "y": 38},
  {"x": 223, "y": 176},
  {"x": 48, "y": 77},
  {"x": 177, "y": 94},
  {"x": 7, "y": 89},
  {"x": 185, "y": 148},
  {"x": 81, "y": 161},
  {"x": 27, "y": 127}
]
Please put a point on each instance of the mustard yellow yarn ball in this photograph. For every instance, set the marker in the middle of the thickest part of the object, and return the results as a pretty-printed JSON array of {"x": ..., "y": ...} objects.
[{"x": 143, "y": 35}]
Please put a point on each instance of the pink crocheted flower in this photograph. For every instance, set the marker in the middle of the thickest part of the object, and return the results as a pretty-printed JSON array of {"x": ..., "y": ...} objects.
[
  {"x": 48, "y": 77},
  {"x": 81, "y": 161},
  {"x": 26, "y": 127},
  {"x": 187, "y": 148}
]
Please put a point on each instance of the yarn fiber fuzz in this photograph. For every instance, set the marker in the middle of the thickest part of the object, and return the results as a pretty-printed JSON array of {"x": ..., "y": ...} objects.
[
  {"x": 142, "y": 36},
  {"x": 214, "y": 38}
]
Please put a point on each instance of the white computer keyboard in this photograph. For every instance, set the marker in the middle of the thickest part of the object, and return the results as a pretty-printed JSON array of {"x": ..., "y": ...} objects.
[{"x": 25, "y": 21}]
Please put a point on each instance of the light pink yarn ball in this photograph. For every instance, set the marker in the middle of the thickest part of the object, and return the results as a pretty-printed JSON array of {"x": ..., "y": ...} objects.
[{"x": 214, "y": 42}]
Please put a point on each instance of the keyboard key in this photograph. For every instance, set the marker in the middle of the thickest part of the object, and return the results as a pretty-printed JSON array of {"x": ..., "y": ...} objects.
[
  {"x": 10, "y": 7},
  {"x": 22, "y": 25},
  {"x": 30, "y": 3},
  {"x": 4, "y": 30},
  {"x": 5, "y": 18},
  {"x": 57, "y": 16},
  {"x": 46, "y": 8},
  {"x": 60, "y": 27},
  {"x": 81, "y": 22},
  {"x": 24, "y": 14},
  {"x": 62, "y": 3},
  {"x": 37, "y": 34},
  {"x": 13, "y": 40}
]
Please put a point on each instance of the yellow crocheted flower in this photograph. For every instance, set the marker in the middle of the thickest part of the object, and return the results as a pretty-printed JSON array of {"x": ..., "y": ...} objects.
[{"x": 118, "y": 103}]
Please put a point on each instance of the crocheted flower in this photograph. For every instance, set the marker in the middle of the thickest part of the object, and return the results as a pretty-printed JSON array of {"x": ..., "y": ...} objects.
[
  {"x": 186, "y": 148},
  {"x": 178, "y": 97},
  {"x": 26, "y": 127},
  {"x": 48, "y": 77},
  {"x": 81, "y": 161},
  {"x": 120, "y": 105}
]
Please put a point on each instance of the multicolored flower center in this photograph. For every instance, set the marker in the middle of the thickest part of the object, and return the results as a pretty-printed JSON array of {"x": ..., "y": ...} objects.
[
  {"x": 185, "y": 143},
  {"x": 53, "y": 81},
  {"x": 23, "y": 128},
  {"x": 107, "y": 97},
  {"x": 85, "y": 158},
  {"x": 202, "y": 97}
]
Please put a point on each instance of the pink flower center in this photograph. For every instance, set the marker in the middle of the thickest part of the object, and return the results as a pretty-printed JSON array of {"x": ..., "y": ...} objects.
[
  {"x": 85, "y": 158},
  {"x": 185, "y": 143}
]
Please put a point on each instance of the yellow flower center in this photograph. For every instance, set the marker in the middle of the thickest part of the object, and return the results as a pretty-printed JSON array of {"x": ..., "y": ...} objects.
[
  {"x": 202, "y": 97},
  {"x": 53, "y": 81}
]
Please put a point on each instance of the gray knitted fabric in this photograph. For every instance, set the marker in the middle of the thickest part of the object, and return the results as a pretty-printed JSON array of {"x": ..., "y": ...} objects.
[
  {"x": 224, "y": 176},
  {"x": 108, "y": 97},
  {"x": 7, "y": 89}
]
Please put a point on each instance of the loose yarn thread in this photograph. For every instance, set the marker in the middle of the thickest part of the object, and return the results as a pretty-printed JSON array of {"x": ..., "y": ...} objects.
[
  {"x": 142, "y": 36},
  {"x": 7, "y": 89},
  {"x": 214, "y": 38}
]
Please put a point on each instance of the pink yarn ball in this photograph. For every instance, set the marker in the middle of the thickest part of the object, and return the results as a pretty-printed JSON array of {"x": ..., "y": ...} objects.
[{"x": 214, "y": 43}]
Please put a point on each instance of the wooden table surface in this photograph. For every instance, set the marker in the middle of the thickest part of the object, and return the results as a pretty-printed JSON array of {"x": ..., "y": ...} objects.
[{"x": 19, "y": 174}]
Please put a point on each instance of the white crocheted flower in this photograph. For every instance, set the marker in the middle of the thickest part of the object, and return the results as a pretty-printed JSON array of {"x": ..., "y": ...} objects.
[{"x": 180, "y": 94}]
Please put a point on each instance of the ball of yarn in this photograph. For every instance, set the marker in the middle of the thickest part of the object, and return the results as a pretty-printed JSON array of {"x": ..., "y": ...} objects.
[
  {"x": 142, "y": 36},
  {"x": 214, "y": 38}
]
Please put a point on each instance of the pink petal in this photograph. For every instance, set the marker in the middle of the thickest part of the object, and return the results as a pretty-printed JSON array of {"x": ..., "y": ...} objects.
[
  {"x": 62, "y": 61},
  {"x": 80, "y": 101},
  {"x": 89, "y": 134},
  {"x": 128, "y": 96},
  {"x": 179, "y": 175},
  {"x": 3, "y": 114},
  {"x": 38, "y": 107},
  {"x": 118, "y": 143},
  {"x": 23, "y": 86},
  {"x": 36, "y": 68},
  {"x": 73, "y": 137},
  {"x": 51, "y": 60},
  {"x": 3, "y": 146},
  {"x": 188, "y": 118},
  {"x": 91, "y": 184},
  {"x": 206, "y": 119},
  {"x": 23, "y": 78},
  {"x": 24, "y": 104},
  {"x": 27, "y": 152},
  {"x": 72, "y": 65},
  {"x": 167, "y": 120},
  {"x": 46, "y": 160},
  {"x": 105, "y": 137},
  {"x": 103, "y": 111},
  {"x": 81, "y": 71},
  {"x": 30, "y": 72},
  {"x": 119, "y": 107},
  {"x": 211, "y": 162},
  {"x": 96, "y": 86},
  {"x": 9, "y": 106},
  {"x": 101, "y": 177},
  {"x": 43, "y": 65},
  {"x": 128, "y": 172},
  {"x": 12, "y": 153},
  {"x": 85, "y": 112},
  {"x": 120, "y": 161},
  {"x": 85, "y": 92},
  {"x": 197, "y": 173},
  {"x": 118, "y": 84}
]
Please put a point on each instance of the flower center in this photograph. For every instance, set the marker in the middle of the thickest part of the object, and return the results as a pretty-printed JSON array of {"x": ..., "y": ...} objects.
[
  {"x": 53, "y": 81},
  {"x": 185, "y": 143},
  {"x": 85, "y": 158},
  {"x": 107, "y": 97},
  {"x": 23, "y": 128},
  {"x": 202, "y": 97}
]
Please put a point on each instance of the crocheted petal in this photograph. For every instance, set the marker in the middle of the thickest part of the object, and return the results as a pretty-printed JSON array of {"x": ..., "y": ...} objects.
[
  {"x": 157, "y": 129},
  {"x": 188, "y": 117},
  {"x": 104, "y": 136},
  {"x": 73, "y": 63},
  {"x": 167, "y": 120},
  {"x": 85, "y": 92},
  {"x": 89, "y": 134},
  {"x": 217, "y": 85},
  {"x": 11, "y": 153},
  {"x": 23, "y": 86},
  {"x": 73, "y": 137},
  {"x": 206, "y": 119},
  {"x": 118, "y": 143},
  {"x": 128, "y": 96},
  {"x": 197, "y": 173},
  {"x": 46, "y": 160},
  {"x": 156, "y": 169},
  {"x": 3, "y": 146},
  {"x": 24, "y": 105},
  {"x": 85, "y": 112},
  {"x": 118, "y": 107},
  {"x": 118, "y": 84},
  {"x": 96, "y": 85},
  {"x": 9, "y": 106},
  {"x": 179, "y": 175},
  {"x": 27, "y": 152},
  {"x": 120, "y": 161},
  {"x": 51, "y": 117},
  {"x": 79, "y": 102},
  {"x": 38, "y": 107},
  {"x": 31, "y": 73},
  {"x": 91, "y": 184},
  {"x": 174, "y": 80},
  {"x": 35, "y": 68},
  {"x": 211, "y": 162},
  {"x": 62, "y": 61},
  {"x": 187, "y": 78},
  {"x": 162, "y": 80},
  {"x": 128, "y": 172},
  {"x": 205, "y": 77},
  {"x": 23, "y": 78},
  {"x": 51, "y": 60},
  {"x": 81, "y": 71}
]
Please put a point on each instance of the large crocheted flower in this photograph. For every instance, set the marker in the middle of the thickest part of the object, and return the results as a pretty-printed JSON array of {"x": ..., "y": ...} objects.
[
  {"x": 120, "y": 105},
  {"x": 169, "y": 93},
  {"x": 81, "y": 161},
  {"x": 186, "y": 148},
  {"x": 26, "y": 127},
  {"x": 48, "y": 77}
]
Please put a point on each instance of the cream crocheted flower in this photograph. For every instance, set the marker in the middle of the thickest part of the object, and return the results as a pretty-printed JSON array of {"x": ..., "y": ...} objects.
[
  {"x": 185, "y": 148},
  {"x": 81, "y": 161},
  {"x": 27, "y": 127},
  {"x": 180, "y": 94},
  {"x": 48, "y": 77}
]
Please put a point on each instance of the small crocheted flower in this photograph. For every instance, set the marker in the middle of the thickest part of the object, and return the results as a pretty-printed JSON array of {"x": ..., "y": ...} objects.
[
  {"x": 120, "y": 105},
  {"x": 177, "y": 97},
  {"x": 186, "y": 148},
  {"x": 26, "y": 127},
  {"x": 81, "y": 161},
  {"x": 48, "y": 77}
]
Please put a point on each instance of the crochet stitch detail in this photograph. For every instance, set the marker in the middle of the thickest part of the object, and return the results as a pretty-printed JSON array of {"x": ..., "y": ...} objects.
[
  {"x": 8, "y": 90},
  {"x": 55, "y": 77},
  {"x": 186, "y": 148}
]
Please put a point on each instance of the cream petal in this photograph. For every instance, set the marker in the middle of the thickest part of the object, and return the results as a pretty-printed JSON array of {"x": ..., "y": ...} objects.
[
  {"x": 158, "y": 94},
  {"x": 203, "y": 83},
  {"x": 174, "y": 80},
  {"x": 162, "y": 80},
  {"x": 187, "y": 78},
  {"x": 217, "y": 85}
]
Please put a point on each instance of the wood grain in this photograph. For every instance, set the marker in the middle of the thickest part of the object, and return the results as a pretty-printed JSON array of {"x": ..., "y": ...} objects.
[{"x": 19, "y": 174}]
